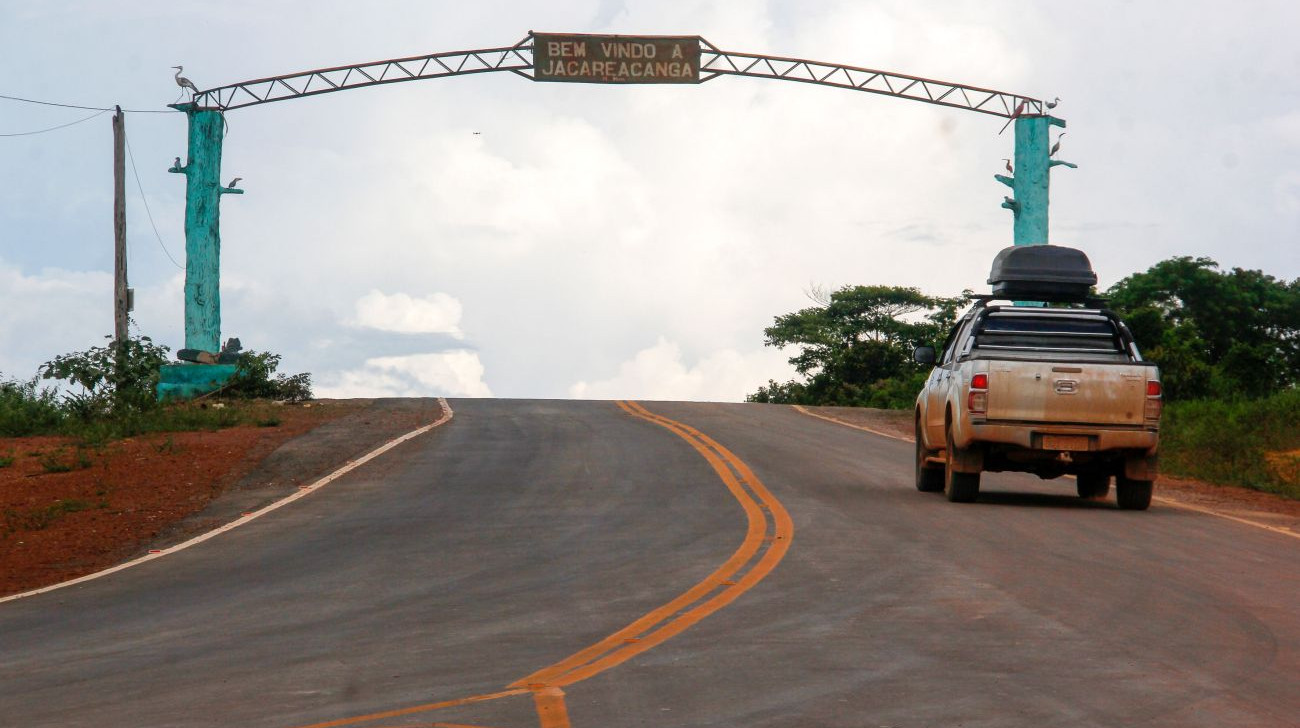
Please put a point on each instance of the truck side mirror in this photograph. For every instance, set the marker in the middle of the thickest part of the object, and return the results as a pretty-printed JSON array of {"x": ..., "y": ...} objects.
[{"x": 923, "y": 355}]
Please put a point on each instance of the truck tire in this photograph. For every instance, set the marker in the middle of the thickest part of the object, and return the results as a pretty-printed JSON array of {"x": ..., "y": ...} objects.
[
  {"x": 929, "y": 477},
  {"x": 1093, "y": 486},
  {"x": 959, "y": 487},
  {"x": 1133, "y": 495}
]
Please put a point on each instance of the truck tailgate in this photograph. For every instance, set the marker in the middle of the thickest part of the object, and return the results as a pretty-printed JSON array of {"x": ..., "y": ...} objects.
[{"x": 1095, "y": 394}]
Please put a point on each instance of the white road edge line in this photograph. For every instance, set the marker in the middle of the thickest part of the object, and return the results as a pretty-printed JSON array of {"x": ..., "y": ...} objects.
[
  {"x": 1158, "y": 499},
  {"x": 890, "y": 435},
  {"x": 303, "y": 491}
]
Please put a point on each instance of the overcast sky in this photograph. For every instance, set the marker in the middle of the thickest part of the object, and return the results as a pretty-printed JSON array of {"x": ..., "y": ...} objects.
[{"x": 491, "y": 236}]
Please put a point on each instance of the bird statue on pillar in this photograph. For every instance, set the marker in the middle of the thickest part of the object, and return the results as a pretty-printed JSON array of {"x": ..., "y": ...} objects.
[
  {"x": 1010, "y": 170},
  {"x": 185, "y": 83},
  {"x": 233, "y": 182},
  {"x": 1056, "y": 147}
]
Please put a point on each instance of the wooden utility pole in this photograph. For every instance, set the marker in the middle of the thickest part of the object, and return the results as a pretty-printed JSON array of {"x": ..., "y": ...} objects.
[{"x": 121, "y": 295}]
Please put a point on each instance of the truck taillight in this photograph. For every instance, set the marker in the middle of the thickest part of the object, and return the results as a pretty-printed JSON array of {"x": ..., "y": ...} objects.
[
  {"x": 1155, "y": 402},
  {"x": 977, "y": 402}
]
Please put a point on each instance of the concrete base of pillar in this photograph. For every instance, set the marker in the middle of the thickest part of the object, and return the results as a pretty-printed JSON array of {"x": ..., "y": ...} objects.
[{"x": 187, "y": 381}]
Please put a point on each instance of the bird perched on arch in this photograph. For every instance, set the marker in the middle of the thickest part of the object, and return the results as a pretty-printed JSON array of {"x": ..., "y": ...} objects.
[
  {"x": 1014, "y": 115},
  {"x": 185, "y": 83}
]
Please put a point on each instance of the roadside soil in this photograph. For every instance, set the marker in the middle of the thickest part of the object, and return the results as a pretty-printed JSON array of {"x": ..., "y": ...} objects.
[
  {"x": 1252, "y": 505},
  {"x": 68, "y": 510}
]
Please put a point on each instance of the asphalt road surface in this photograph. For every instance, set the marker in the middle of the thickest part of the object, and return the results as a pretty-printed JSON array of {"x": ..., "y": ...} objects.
[{"x": 593, "y": 565}]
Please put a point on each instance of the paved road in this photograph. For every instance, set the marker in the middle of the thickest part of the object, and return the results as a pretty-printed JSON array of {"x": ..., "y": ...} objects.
[{"x": 464, "y": 562}]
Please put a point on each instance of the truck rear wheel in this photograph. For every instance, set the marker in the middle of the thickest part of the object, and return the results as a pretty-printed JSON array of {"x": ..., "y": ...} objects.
[
  {"x": 1133, "y": 495},
  {"x": 959, "y": 487},
  {"x": 1093, "y": 486},
  {"x": 929, "y": 477}
]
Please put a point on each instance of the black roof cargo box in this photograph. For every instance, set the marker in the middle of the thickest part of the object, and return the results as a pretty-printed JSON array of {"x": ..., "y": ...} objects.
[{"x": 1036, "y": 272}]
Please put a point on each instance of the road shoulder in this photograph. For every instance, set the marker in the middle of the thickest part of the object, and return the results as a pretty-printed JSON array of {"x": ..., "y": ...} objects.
[{"x": 1252, "y": 507}]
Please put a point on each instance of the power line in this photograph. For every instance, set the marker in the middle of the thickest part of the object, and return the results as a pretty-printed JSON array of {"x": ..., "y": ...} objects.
[
  {"x": 55, "y": 128},
  {"x": 89, "y": 108},
  {"x": 145, "y": 200}
]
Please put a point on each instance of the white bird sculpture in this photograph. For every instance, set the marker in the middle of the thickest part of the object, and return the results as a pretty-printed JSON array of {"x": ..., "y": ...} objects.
[
  {"x": 185, "y": 82},
  {"x": 233, "y": 182}
]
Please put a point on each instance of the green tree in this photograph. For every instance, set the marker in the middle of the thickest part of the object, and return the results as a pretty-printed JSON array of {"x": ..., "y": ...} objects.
[
  {"x": 1214, "y": 334},
  {"x": 855, "y": 345}
]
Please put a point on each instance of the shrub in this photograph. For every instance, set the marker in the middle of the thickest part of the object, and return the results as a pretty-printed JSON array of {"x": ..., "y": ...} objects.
[
  {"x": 121, "y": 376},
  {"x": 256, "y": 379},
  {"x": 26, "y": 409},
  {"x": 1230, "y": 441}
]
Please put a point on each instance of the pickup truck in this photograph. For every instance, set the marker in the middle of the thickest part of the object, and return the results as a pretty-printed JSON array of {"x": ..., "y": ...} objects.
[{"x": 1044, "y": 389}]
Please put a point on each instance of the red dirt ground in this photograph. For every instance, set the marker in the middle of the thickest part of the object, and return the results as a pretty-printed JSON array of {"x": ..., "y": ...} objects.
[{"x": 115, "y": 499}]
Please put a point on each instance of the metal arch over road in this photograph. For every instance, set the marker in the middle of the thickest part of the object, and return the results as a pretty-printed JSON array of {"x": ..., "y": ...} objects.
[
  {"x": 582, "y": 58},
  {"x": 714, "y": 62}
]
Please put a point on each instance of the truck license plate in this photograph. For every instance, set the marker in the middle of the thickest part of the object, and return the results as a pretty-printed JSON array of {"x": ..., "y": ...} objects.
[{"x": 1065, "y": 442}]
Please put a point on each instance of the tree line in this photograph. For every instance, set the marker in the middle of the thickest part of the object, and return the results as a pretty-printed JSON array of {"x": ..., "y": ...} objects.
[{"x": 1214, "y": 334}]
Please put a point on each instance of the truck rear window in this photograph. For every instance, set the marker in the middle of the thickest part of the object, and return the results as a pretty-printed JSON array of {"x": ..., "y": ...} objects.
[{"x": 1075, "y": 333}]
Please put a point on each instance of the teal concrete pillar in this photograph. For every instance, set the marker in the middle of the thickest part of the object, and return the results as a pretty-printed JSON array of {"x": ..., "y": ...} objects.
[
  {"x": 1031, "y": 182},
  {"x": 203, "y": 192}
]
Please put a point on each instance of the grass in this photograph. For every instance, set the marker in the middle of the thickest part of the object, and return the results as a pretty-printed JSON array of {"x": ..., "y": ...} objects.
[
  {"x": 37, "y": 519},
  {"x": 1250, "y": 443},
  {"x": 168, "y": 418},
  {"x": 25, "y": 416},
  {"x": 57, "y": 460},
  {"x": 25, "y": 409},
  {"x": 167, "y": 447}
]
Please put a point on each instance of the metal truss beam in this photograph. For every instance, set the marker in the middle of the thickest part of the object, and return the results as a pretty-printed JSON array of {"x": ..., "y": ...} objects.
[
  {"x": 715, "y": 62},
  {"x": 515, "y": 58}
]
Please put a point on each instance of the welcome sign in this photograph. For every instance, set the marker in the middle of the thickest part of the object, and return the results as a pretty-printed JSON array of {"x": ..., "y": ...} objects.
[{"x": 616, "y": 58}]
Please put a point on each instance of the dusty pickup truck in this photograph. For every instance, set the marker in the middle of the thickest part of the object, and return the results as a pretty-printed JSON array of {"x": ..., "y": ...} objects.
[{"x": 1049, "y": 383}]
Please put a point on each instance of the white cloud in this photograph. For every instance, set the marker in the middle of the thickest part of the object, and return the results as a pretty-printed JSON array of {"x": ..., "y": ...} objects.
[
  {"x": 660, "y": 373},
  {"x": 436, "y": 313},
  {"x": 444, "y": 374},
  {"x": 1286, "y": 193},
  {"x": 52, "y": 312}
]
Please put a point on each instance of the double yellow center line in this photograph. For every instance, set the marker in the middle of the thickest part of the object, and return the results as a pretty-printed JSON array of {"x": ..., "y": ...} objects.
[
  {"x": 767, "y": 538},
  {"x": 768, "y": 534}
]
